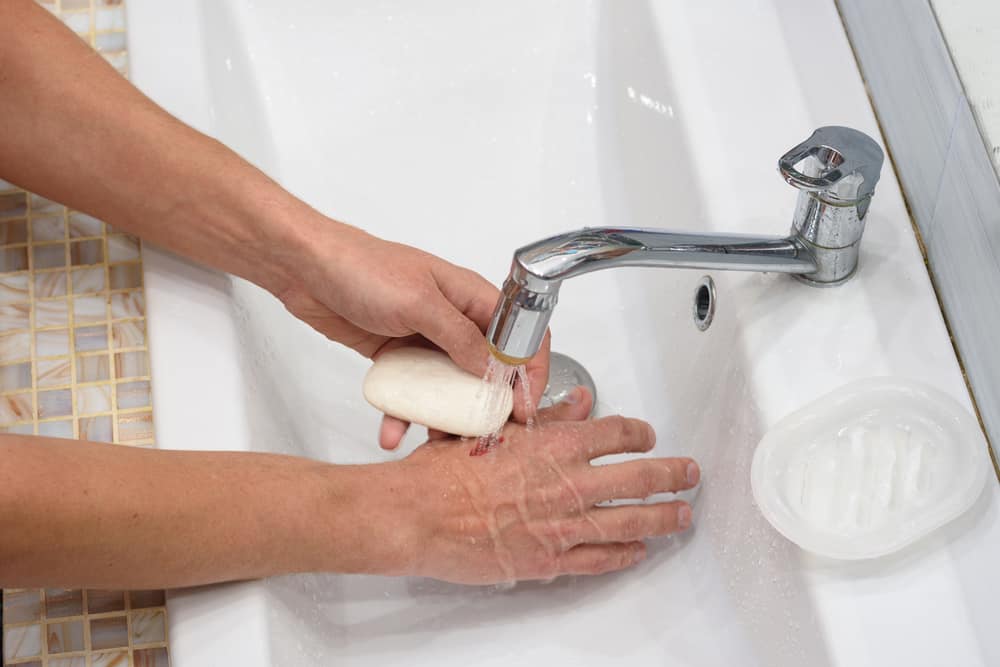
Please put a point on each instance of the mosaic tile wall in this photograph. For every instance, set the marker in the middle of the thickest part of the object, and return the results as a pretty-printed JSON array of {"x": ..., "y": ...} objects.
[{"x": 74, "y": 364}]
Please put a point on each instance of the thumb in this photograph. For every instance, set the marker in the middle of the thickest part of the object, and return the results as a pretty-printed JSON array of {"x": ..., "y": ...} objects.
[
  {"x": 574, "y": 407},
  {"x": 446, "y": 326}
]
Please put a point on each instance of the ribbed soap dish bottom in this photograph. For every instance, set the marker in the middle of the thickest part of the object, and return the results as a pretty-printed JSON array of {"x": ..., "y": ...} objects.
[{"x": 869, "y": 468}]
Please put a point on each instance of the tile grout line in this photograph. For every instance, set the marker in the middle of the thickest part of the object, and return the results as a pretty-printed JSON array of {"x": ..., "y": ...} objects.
[
  {"x": 43, "y": 615},
  {"x": 128, "y": 627},
  {"x": 86, "y": 628},
  {"x": 29, "y": 237},
  {"x": 112, "y": 357}
]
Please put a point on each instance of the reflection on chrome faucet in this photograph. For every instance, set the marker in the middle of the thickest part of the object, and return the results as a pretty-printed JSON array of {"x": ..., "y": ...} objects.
[{"x": 835, "y": 171}]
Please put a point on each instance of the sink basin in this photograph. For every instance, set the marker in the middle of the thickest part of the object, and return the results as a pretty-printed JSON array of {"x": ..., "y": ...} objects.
[{"x": 468, "y": 129}]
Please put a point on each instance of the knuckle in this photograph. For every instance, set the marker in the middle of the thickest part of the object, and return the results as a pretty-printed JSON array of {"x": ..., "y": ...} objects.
[
  {"x": 568, "y": 501},
  {"x": 601, "y": 562},
  {"x": 618, "y": 426},
  {"x": 632, "y": 525},
  {"x": 666, "y": 519},
  {"x": 569, "y": 533},
  {"x": 542, "y": 558},
  {"x": 647, "y": 480}
]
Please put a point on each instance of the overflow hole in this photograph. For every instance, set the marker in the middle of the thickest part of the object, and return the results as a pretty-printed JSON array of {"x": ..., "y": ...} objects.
[{"x": 704, "y": 303}]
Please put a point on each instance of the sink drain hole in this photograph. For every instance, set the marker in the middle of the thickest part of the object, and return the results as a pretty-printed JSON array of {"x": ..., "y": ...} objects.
[{"x": 704, "y": 303}]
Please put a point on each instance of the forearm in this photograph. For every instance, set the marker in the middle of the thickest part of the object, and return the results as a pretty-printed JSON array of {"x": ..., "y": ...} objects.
[
  {"x": 72, "y": 129},
  {"x": 93, "y": 515}
]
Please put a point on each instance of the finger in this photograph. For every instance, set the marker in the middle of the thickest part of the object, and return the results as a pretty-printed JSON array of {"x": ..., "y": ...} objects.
[
  {"x": 468, "y": 291},
  {"x": 473, "y": 299},
  {"x": 391, "y": 432},
  {"x": 574, "y": 407},
  {"x": 434, "y": 434},
  {"x": 537, "y": 370},
  {"x": 332, "y": 325},
  {"x": 601, "y": 558},
  {"x": 617, "y": 435},
  {"x": 443, "y": 324},
  {"x": 627, "y": 523},
  {"x": 416, "y": 340},
  {"x": 639, "y": 479}
]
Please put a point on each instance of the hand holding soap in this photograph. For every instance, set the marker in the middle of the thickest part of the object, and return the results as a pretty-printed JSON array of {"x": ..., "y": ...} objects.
[{"x": 426, "y": 387}]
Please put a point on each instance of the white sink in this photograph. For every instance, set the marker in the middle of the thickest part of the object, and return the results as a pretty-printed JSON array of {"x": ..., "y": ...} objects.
[{"x": 468, "y": 129}]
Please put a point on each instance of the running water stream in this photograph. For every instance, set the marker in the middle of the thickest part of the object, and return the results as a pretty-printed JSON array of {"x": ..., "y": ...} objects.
[{"x": 498, "y": 377}]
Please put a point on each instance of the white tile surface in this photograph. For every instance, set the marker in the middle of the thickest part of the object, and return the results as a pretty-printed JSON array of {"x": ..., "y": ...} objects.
[
  {"x": 972, "y": 30},
  {"x": 942, "y": 160},
  {"x": 914, "y": 85},
  {"x": 964, "y": 252}
]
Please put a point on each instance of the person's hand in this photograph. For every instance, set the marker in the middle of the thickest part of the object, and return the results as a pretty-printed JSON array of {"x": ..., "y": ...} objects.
[
  {"x": 528, "y": 509},
  {"x": 371, "y": 294}
]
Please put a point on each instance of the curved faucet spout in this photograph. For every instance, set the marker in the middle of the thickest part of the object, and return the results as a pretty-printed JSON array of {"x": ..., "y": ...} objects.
[
  {"x": 531, "y": 290},
  {"x": 586, "y": 250},
  {"x": 835, "y": 171}
]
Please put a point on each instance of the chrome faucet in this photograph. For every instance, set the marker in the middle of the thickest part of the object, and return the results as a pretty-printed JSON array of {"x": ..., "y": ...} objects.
[{"x": 835, "y": 171}]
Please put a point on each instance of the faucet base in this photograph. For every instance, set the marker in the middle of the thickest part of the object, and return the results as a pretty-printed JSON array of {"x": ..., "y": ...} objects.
[
  {"x": 823, "y": 283},
  {"x": 834, "y": 266}
]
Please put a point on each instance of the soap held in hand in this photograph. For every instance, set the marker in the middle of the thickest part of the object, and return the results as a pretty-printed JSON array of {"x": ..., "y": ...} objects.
[{"x": 426, "y": 387}]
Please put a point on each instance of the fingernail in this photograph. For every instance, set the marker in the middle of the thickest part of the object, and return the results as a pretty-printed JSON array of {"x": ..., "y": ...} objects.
[
  {"x": 693, "y": 473},
  {"x": 640, "y": 554},
  {"x": 573, "y": 397},
  {"x": 684, "y": 517}
]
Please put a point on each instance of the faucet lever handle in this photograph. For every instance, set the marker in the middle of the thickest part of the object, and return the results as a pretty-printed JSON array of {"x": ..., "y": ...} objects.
[{"x": 840, "y": 164}]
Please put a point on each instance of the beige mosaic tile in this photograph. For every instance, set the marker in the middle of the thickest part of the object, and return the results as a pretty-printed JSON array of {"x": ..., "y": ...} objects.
[
  {"x": 123, "y": 248},
  {"x": 54, "y": 372},
  {"x": 100, "y": 602},
  {"x": 81, "y": 224},
  {"x": 109, "y": 632},
  {"x": 127, "y": 334},
  {"x": 93, "y": 368},
  {"x": 22, "y": 606},
  {"x": 113, "y": 659},
  {"x": 47, "y": 227},
  {"x": 74, "y": 364},
  {"x": 64, "y": 637},
  {"x": 22, "y": 641},
  {"x": 128, "y": 304},
  {"x": 51, "y": 343},
  {"x": 16, "y": 345},
  {"x": 58, "y": 428},
  {"x": 13, "y": 231},
  {"x": 54, "y": 313},
  {"x": 51, "y": 284},
  {"x": 14, "y": 287},
  {"x": 148, "y": 626},
  {"x": 88, "y": 280}
]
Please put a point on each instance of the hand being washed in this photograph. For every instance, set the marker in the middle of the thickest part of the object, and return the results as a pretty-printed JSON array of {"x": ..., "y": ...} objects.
[
  {"x": 371, "y": 294},
  {"x": 527, "y": 509}
]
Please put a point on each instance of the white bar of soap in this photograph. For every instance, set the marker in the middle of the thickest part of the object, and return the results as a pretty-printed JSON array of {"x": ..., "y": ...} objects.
[{"x": 426, "y": 387}]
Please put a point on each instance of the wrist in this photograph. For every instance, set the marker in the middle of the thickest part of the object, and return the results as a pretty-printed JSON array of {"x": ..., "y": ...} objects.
[
  {"x": 283, "y": 236},
  {"x": 296, "y": 247},
  {"x": 366, "y": 521}
]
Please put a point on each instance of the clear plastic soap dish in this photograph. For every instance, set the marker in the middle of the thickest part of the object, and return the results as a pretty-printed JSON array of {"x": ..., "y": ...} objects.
[{"x": 869, "y": 468}]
